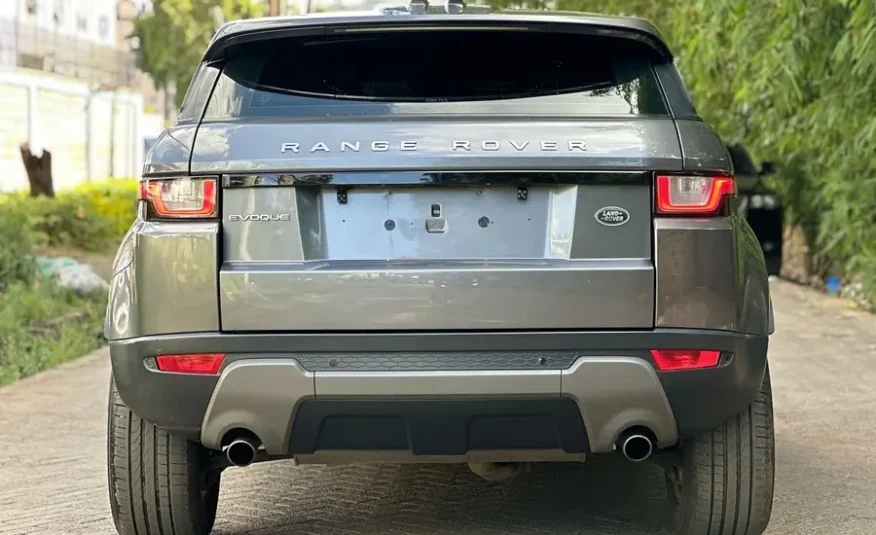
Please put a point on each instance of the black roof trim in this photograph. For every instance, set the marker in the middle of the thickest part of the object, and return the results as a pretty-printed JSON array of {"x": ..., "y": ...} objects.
[{"x": 266, "y": 28}]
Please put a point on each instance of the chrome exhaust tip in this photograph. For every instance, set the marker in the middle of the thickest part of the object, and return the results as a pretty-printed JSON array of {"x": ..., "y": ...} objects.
[
  {"x": 636, "y": 447},
  {"x": 241, "y": 452}
]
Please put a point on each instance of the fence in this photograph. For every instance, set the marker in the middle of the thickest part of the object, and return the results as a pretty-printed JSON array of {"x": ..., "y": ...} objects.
[{"x": 92, "y": 134}]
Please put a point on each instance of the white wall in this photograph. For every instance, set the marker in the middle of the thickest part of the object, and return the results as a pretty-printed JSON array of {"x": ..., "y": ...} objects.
[
  {"x": 83, "y": 129},
  {"x": 152, "y": 124}
]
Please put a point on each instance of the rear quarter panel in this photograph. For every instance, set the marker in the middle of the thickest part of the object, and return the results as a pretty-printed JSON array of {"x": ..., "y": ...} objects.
[
  {"x": 710, "y": 275},
  {"x": 165, "y": 280}
]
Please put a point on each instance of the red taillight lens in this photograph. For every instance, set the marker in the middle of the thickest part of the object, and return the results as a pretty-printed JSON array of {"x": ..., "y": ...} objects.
[
  {"x": 195, "y": 363},
  {"x": 685, "y": 359},
  {"x": 180, "y": 198},
  {"x": 693, "y": 195}
]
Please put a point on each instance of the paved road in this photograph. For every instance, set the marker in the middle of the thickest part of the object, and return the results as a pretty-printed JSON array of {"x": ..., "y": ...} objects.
[{"x": 823, "y": 358}]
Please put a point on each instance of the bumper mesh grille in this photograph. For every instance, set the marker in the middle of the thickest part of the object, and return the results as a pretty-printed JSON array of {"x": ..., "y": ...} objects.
[{"x": 436, "y": 361}]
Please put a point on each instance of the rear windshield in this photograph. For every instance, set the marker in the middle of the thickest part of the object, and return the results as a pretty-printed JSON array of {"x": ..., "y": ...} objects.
[{"x": 437, "y": 72}]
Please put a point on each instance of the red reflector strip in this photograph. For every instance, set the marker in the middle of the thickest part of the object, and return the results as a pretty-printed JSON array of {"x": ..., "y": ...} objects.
[
  {"x": 195, "y": 363},
  {"x": 685, "y": 359}
]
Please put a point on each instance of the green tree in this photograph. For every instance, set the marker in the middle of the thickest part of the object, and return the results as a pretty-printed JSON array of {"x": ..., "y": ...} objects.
[{"x": 173, "y": 36}]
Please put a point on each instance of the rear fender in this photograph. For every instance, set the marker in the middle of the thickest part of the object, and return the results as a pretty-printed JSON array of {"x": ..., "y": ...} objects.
[
  {"x": 711, "y": 274},
  {"x": 165, "y": 280}
]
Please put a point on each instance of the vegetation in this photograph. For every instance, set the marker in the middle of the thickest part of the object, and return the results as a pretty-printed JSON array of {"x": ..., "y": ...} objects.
[
  {"x": 91, "y": 217},
  {"x": 173, "y": 36},
  {"x": 794, "y": 81},
  {"x": 42, "y": 324},
  {"x": 17, "y": 263}
]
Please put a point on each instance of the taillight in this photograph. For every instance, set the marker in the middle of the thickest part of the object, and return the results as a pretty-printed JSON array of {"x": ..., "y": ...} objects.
[
  {"x": 693, "y": 195},
  {"x": 180, "y": 198},
  {"x": 685, "y": 359},
  {"x": 195, "y": 363}
]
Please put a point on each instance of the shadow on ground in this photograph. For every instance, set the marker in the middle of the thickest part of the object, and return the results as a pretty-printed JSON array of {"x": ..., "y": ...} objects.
[{"x": 604, "y": 495}]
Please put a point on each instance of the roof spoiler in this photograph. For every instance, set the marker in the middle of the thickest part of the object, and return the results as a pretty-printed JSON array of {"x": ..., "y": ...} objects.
[{"x": 420, "y": 13}]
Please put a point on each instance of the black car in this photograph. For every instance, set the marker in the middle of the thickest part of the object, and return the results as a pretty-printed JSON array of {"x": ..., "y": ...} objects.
[{"x": 760, "y": 205}]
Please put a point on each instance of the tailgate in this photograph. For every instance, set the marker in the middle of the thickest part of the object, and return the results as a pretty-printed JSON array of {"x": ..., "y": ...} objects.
[
  {"x": 445, "y": 257},
  {"x": 402, "y": 201}
]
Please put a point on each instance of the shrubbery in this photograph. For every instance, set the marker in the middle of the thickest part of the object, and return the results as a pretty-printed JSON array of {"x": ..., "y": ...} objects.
[
  {"x": 16, "y": 246},
  {"x": 41, "y": 324},
  {"x": 91, "y": 217}
]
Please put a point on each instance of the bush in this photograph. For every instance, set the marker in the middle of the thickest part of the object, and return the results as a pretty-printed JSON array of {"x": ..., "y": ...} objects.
[
  {"x": 90, "y": 217},
  {"x": 16, "y": 246},
  {"x": 115, "y": 202}
]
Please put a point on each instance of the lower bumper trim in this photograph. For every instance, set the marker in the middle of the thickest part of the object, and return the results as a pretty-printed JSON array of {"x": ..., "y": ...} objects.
[
  {"x": 293, "y": 410},
  {"x": 438, "y": 427}
]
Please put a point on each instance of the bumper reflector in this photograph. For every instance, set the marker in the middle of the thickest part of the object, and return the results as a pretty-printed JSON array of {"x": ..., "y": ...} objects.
[
  {"x": 685, "y": 359},
  {"x": 194, "y": 363}
]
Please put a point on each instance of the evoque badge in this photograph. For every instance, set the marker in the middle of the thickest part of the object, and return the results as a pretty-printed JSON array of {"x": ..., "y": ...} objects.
[{"x": 260, "y": 217}]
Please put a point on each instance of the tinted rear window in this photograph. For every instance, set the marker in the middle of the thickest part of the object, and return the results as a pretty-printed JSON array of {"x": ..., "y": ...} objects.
[{"x": 438, "y": 72}]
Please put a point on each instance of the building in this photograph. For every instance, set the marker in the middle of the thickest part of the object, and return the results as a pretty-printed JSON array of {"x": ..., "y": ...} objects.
[
  {"x": 69, "y": 84},
  {"x": 71, "y": 37},
  {"x": 88, "y": 20}
]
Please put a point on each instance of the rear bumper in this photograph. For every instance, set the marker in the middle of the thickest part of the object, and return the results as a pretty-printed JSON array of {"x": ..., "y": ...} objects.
[{"x": 572, "y": 391}]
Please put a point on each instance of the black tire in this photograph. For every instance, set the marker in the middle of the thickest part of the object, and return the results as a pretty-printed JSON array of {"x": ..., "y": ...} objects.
[
  {"x": 725, "y": 482},
  {"x": 158, "y": 482}
]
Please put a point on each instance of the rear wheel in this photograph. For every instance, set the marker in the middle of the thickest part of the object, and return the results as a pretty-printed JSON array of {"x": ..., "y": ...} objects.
[
  {"x": 159, "y": 483},
  {"x": 724, "y": 484}
]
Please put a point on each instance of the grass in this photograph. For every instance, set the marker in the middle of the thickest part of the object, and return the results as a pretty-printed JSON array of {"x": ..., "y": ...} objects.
[{"x": 42, "y": 326}]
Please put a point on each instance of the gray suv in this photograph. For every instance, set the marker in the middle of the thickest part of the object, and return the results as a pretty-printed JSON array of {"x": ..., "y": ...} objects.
[{"x": 485, "y": 238}]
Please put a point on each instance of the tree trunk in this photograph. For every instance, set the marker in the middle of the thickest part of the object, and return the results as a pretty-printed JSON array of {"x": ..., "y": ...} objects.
[{"x": 39, "y": 171}]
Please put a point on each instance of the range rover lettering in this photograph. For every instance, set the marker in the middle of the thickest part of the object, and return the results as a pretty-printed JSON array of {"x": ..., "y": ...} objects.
[
  {"x": 411, "y": 145},
  {"x": 440, "y": 257}
]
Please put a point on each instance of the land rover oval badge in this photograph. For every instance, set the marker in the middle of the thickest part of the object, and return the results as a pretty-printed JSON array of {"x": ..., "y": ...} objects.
[{"x": 612, "y": 216}]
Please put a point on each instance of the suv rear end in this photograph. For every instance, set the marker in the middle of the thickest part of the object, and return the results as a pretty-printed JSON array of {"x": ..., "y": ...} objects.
[{"x": 476, "y": 238}]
